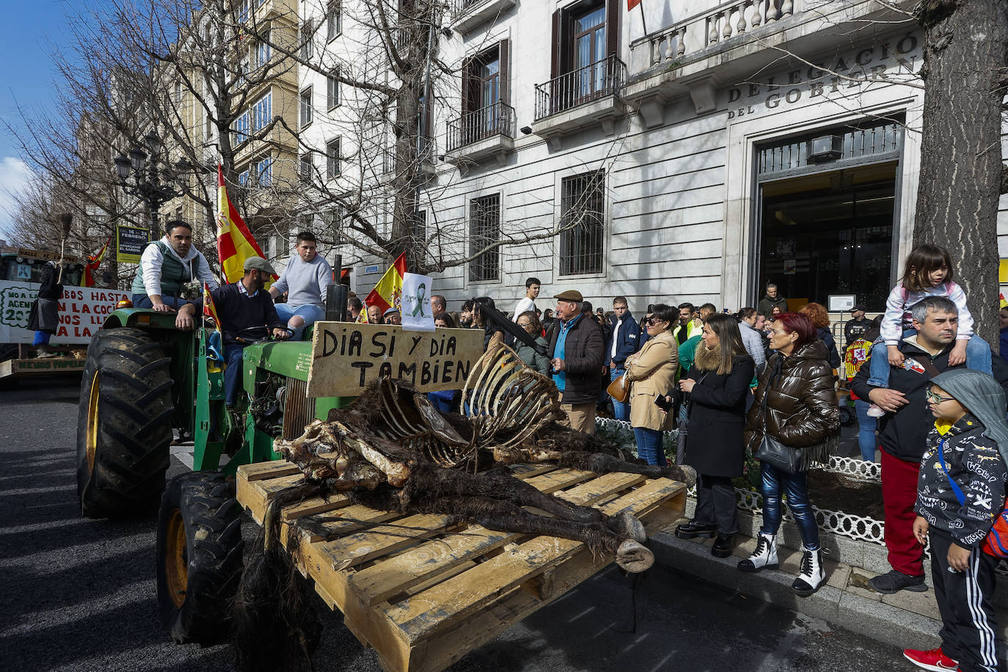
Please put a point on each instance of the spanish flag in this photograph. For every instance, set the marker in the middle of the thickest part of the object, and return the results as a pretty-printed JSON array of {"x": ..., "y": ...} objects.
[
  {"x": 93, "y": 262},
  {"x": 209, "y": 309},
  {"x": 235, "y": 243},
  {"x": 388, "y": 292}
]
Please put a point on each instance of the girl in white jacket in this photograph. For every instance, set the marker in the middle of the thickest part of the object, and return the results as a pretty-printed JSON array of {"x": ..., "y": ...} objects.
[{"x": 928, "y": 272}]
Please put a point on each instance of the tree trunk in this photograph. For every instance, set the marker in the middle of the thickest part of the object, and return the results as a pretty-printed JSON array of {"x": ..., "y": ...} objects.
[{"x": 965, "y": 60}]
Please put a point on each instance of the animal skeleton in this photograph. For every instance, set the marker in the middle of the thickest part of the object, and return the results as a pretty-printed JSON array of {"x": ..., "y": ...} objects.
[{"x": 393, "y": 450}]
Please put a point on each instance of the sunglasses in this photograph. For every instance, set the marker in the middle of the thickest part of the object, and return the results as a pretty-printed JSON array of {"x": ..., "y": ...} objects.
[
  {"x": 935, "y": 398},
  {"x": 653, "y": 321}
]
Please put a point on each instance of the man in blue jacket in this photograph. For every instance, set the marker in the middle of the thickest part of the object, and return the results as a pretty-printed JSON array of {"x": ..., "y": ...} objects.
[{"x": 621, "y": 344}]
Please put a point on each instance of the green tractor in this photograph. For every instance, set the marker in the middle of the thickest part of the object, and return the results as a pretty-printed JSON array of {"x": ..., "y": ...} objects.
[{"x": 145, "y": 383}]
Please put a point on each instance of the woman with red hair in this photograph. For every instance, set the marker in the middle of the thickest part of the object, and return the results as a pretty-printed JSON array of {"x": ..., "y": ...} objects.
[
  {"x": 795, "y": 408},
  {"x": 820, "y": 320}
]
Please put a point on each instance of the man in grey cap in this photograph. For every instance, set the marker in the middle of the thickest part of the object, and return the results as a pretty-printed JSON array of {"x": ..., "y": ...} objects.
[
  {"x": 246, "y": 314},
  {"x": 578, "y": 355}
]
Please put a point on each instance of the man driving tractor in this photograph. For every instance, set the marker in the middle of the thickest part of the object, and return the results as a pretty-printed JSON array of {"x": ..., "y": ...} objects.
[{"x": 244, "y": 307}]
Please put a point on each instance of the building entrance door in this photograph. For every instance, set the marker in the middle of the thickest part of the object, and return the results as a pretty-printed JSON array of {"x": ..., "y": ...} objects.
[{"x": 828, "y": 226}]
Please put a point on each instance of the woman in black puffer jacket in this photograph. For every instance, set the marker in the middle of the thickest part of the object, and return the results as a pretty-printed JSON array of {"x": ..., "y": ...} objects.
[{"x": 795, "y": 404}]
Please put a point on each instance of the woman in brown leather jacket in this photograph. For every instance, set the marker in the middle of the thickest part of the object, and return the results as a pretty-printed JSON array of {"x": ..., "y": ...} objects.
[{"x": 795, "y": 404}]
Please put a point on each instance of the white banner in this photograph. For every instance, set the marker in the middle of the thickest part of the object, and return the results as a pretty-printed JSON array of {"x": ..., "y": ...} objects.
[
  {"x": 82, "y": 310},
  {"x": 415, "y": 309}
]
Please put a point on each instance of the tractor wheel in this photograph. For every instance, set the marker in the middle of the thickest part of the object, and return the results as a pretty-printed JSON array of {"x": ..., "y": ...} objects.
[
  {"x": 123, "y": 424},
  {"x": 199, "y": 551}
]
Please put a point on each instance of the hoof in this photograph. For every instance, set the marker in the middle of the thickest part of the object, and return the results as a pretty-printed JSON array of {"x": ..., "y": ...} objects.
[
  {"x": 627, "y": 525},
  {"x": 633, "y": 557}
]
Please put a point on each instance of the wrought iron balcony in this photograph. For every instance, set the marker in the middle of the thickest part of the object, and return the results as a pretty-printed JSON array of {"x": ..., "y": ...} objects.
[
  {"x": 579, "y": 87},
  {"x": 482, "y": 124}
]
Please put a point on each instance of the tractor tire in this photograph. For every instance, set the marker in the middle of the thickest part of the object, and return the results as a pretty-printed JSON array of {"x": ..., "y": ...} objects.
[
  {"x": 199, "y": 551},
  {"x": 123, "y": 424}
]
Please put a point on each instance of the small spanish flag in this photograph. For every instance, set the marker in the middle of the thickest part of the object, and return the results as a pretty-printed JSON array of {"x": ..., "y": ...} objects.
[
  {"x": 209, "y": 309},
  {"x": 388, "y": 292}
]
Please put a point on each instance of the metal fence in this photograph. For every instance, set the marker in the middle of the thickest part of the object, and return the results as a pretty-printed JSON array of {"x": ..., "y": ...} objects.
[
  {"x": 486, "y": 122},
  {"x": 579, "y": 86}
]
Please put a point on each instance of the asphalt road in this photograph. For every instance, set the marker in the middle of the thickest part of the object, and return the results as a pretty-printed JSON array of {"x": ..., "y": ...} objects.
[{"x": 78, "y": 594}]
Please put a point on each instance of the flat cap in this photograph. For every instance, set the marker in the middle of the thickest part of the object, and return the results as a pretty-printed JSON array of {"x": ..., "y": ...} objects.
[
  {"x": 258, "y": 264},
  {"x": 569, "y": 295},
  {"x": 390, "y": 310}
]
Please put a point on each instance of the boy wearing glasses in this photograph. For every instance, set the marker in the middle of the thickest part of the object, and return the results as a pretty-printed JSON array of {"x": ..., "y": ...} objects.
[{"x": 960, "y": 492}]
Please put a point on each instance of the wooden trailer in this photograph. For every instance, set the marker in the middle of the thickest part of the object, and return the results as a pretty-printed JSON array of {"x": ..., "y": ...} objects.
[{"x": 423, "y": 593}]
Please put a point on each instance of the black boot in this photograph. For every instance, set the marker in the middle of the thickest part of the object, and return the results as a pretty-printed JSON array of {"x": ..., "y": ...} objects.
[
  {"x": 693, "y": 529},
  {"x": 722, "y": 546}
]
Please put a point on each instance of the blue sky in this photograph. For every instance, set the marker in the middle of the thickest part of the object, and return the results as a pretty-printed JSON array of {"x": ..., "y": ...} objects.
[{"x": 29, "y": 33}]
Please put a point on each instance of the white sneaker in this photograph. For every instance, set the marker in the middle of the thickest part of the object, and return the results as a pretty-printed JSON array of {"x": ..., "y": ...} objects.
[
  {"x": 811, "y": 575},
  {"x": 764, "y": 557},
  {"x": 874, "y": 411}
]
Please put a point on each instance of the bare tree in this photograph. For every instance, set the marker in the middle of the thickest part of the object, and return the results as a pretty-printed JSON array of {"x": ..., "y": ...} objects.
[{"x": 962, "y": 171}]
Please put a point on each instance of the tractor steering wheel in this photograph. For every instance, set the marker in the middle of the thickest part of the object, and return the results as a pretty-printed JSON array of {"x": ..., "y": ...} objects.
[{"x": 258, "y": 334}]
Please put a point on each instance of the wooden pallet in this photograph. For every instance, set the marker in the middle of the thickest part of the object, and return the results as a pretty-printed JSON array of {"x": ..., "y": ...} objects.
[{"x": 423, "y": 594}]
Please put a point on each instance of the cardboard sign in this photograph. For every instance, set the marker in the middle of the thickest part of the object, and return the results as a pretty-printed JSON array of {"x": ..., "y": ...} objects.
[
  {"x": 347, "y": 357},
  {"x": 82, "y": 310},
  {"x": 416, "y": 312},
  {"x": 130, "y": 244}
]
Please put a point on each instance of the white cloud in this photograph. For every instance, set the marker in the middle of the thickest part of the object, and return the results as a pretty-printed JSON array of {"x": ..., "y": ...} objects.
[{"x": 15, "y": 175}]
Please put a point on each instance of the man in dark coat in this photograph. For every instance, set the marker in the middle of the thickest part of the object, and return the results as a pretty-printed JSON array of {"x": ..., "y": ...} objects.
[
  {"x": 855, "y": 328},
  {"x": 621, "y": 344},
  {"x": 578, "y": 354},
  {"x": 772, "y": 298},
  {"x": 44, "y": 318},
  {"x": 903, "y": 434},
  {"x": 241, "y": 306}
]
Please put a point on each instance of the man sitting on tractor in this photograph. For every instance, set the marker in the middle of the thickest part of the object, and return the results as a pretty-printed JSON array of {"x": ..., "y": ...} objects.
[
  {"x": 246, "y": 314},
  {"x": 166, "y": 266},
  {"x": 305, "y": 280}
]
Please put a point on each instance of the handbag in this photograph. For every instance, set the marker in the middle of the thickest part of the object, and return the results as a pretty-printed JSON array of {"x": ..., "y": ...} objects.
[
  {"x": 619, "y": 389},
  {"x": 776, "y": 454},
  {"x": 785, "y": 458},
  {"x": 996, "y": 541}
]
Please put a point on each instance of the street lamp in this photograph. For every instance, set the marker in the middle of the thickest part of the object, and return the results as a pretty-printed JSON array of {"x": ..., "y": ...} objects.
[{"x": 153, "y": 182}]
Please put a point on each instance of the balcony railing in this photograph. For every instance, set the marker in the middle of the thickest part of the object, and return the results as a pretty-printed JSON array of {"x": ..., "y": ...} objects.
[
  {"x": 712, "y": 27},
  {"x": 580, "y": 86},
  {"x": 486, "y": 122}
]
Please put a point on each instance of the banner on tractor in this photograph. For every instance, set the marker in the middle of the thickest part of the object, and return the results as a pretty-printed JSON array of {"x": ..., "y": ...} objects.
[
  {"x": 130, "y": 244},
  {"x": 347, "y": 357},
  {"x": 82, "y": 310}
]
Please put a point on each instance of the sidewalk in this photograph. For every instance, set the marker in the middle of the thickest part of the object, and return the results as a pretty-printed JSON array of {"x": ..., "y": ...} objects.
[{"x": 904, "y": 619}]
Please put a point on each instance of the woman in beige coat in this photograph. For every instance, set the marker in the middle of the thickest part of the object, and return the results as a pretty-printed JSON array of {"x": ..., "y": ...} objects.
[{"x": 652, "y": 373}]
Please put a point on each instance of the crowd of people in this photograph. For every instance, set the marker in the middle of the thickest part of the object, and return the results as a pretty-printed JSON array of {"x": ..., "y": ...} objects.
[{"x": 761, "y": 380}]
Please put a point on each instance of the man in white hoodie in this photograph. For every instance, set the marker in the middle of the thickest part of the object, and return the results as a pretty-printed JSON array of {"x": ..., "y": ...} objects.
[
  {"x": 305, "y": 280},
  {"x": 166, "y": 265}
]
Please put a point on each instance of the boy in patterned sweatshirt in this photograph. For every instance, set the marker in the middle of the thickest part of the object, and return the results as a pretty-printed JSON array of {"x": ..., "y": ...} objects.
[{"x": 960, "y": 492}]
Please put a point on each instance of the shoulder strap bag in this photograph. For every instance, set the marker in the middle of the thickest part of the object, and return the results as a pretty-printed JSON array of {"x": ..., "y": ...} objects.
[{"x": 784, "y": 458}]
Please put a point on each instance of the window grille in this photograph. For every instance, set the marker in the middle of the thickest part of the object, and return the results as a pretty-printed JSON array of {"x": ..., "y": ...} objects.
[
  {"x": 582, "y": 212},
  {"x": 484, "y": 229}
]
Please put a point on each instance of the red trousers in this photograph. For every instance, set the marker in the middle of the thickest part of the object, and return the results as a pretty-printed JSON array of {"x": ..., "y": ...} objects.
[{"x": 899, "y": 493}]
